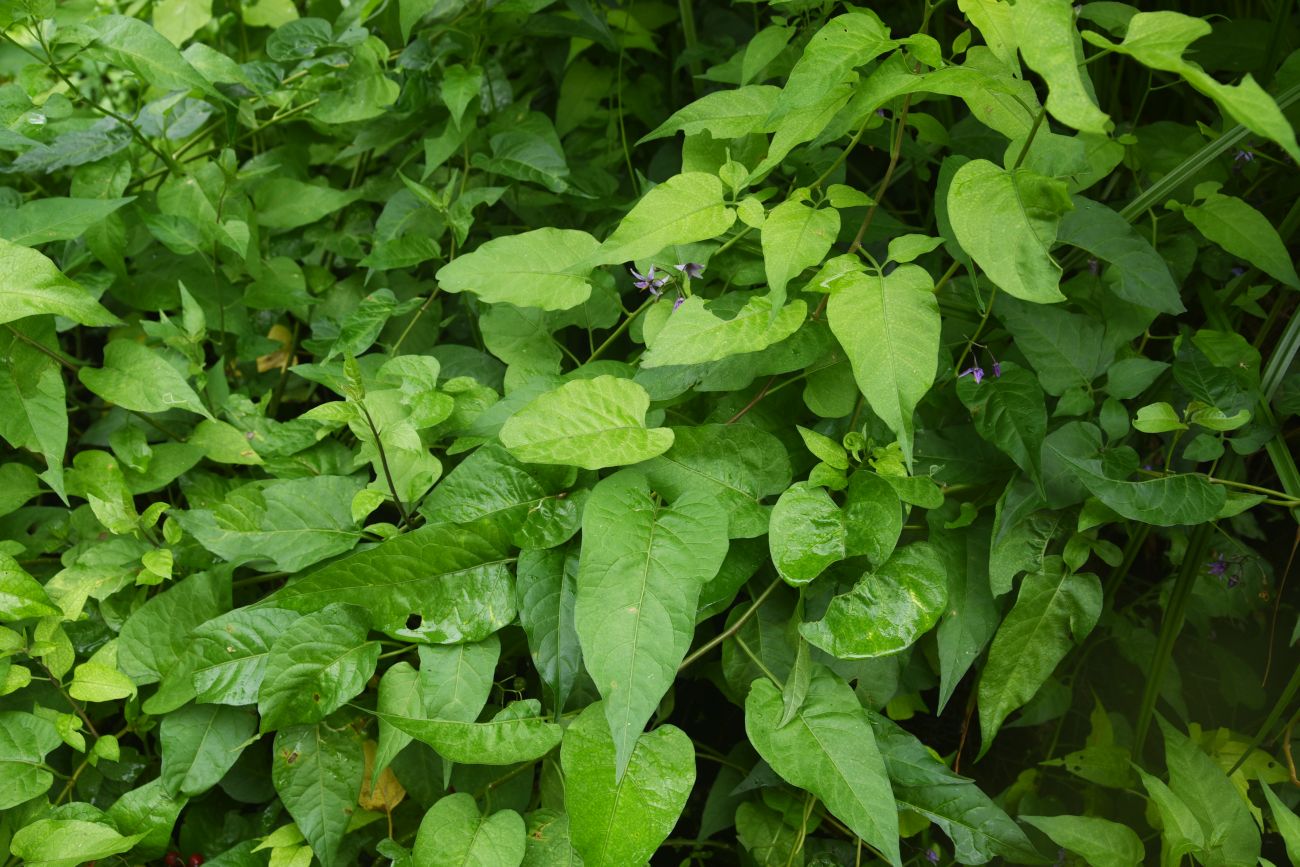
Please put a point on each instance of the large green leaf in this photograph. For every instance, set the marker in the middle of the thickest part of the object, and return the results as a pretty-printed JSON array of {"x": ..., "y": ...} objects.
[
  {"x": 42, "y": 221},
  {"x": 455, "y": 834},
  {"x": 317, "y": 773},
  {"x": 1242, "y": 231},
  {"x": 829, "y": 749},
  {"x": 546, "y": 586},
  {"x": 887, "y": 610},
  {"x": 873, "y": 517},
  {"x": 22, "y": 596},
  {"x": 25, "y": 740},
  {"x": 280, "y": 524},
  {"x": 889, "y": 328},
  {"x": 737, "y": 465},
  {"x": 807, "y": 533},
  {"x": 1141, "y": 275},
  {"x": 545, "y": 268},
  {"x": 642, "y": 567},
  {"x": 619, "y": 817},
  {"x": 1007, "y": 221},
  {"x": 1288, "y": 824},
  {"x": 157, "y": 635},
  {"x": 1010, "y": 412},
  {"x": 441, "y": 583},
  {"x": 138, "y": 378},
  {"x": 133, "y": 45},
  {"x": 200, "y": 743},
  {"x": 978, "y": 828},
  {"x": 795, "y": 237},
  {"x": 1100, "y": 841},
  {"x": 842, "y": 43},
  {"x": 972, "y": 616},
  {"x": 1159, "y": 39},
  {"x": 1054, "y": 610},
  {"x": 31, "y": 285},
  {"x": 722, "y": 114},
  {"x": 1050, "y": 46},
  {"x": 590, "y": 423},
  {"x": 68, "y": 842},
  {"x": 287, "y": 203},
  {"x": 1066, "y": 350},
  {"x": 32, "y": 391},
  {"x": 229, "y": 653},
  {"x": 315, "y": 666},
  {"x": 549, "y": 843},
  {"x": 695, "y": 335},
  {"x": 518, "y": 733},
  {"x": 682, "y": 210},
  {"x": 456, "y": 679}
]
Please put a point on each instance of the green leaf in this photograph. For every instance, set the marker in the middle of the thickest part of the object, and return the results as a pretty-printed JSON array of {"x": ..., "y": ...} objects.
[
  {"x": 682, "y": 210},
  {"x": 978, "y": 827},
  {"x": 842, "y": 43},
  {"x": 695, "y": 335},
  {"x": 229, "y": 653},
  {"x": 1180, "y": 832},
  {"x": 25, "y": 740},
  {"x": 1142, "y": 277},
  {"x": 31, "y": 389},
  {"x": 615, "y": 818},
  {"x": 548, "y": 843},
  {"x": 1230, "y": 834},
  {"x": 178, "y": 20},
  {"x": 518, "y": 733},
  {"x": 825, "y": 448},
  {"x": 830, "y": 750},
  {"x": 589, "y": 423},
  {"x": 200, "y": 743},
  {"x": 158, "y": 634},
  {"x": 454, "y": 581},
  {"x": 766, "y": 836},
  {"x": 31, "y": 285},
  {"x": 68, "y": 842},
  {"x": 454, "y": 834},
  {"x": 545, "y": 268},
  {"x": 642, "y": 568},
  {"x": 138, "y": 378},
  {"x": 724, "y": 114},
  {"x": 42, "y": 221},
  {"x": 281, "y": 524},
  {"x": 1098, "y": 841},
  {"x": 546, "y": 588},
  {"x": 1242, "y": 231},
  {"x": 1054, "y": 610},
  {"x": 1067, "y": 350},
  {"x": 1159, "y": 39},
  {"x": 795, "y": 237},
  {"x": 456, "y": 679},
  {"x": 150, "y": 811},
  {"x": 285, "y": 203},
  {"x": 873, "y": 517},
  {"x": 1157, "y": 418},
  {"x": 1164, "y": 502},
  {"x": 135, "y": 46},
  {"x": 807, "y": 533},
  {"x": 531, "y": 501},
  {"x": 1007, "y": 221},
  {"x": 887, "y": 610},
  {"x": 1010, "y": 412},
  {"x": 889, "y": 328},
  {"x": 96, "y": 681},
  {"x": 317, "y": 773},
  {"x": 1288, "y": 824},
  {"x": 527, "y": 149},
  {"x": 21, "y": 595},
  {"x": 972, "y": 616},
  {"x": 1050, "y": 46},
  {"x": 315, "y": 666}
]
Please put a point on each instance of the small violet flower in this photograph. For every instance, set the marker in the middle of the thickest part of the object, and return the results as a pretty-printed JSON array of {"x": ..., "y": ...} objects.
[
  {"x": 1237, "y": 270},
  {"x": 1243, "y": 156},
  {"x": 932, "y": 856},
  {"x": 681, "y": 299},
  {"x": 977, "y": 372},
  {"x": 1218, "y": 565},
  {"x": 648, "y": 281},
  {"x": 691, "y": 269},
  {"x": 997, "y": 369}
]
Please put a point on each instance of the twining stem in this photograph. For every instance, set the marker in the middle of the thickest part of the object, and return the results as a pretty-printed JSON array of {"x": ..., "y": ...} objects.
[
  {"x": 740, "y": 642},
  {"x": 623, "y": 326},
  {"x": 383, "y": 460},
  {"x": 1029, "y": 139},
  {"x": 732, "y": 629}
]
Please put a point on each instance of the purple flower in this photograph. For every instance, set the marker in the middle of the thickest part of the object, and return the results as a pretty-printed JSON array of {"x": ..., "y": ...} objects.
[
  {"x": 681, "y": 299},
  {"x": 1218, "y": 565},
  {"x": 1233, "y": 581},
  {"x": 932, "y": 856},
  {"x": 1243, "y": 156},
  {"x": 1237, "y": 270},
  {"x": 997, "y": 369},
  {"x": 648, "y": 281},
  {"x": 977, "y": 372},
  {"x": 691, "y": 269}
]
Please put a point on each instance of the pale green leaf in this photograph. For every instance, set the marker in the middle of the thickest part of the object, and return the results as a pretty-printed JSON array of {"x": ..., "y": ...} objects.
[
  {"x": 30, "y": 285},
  {"x": 455, "y": 834},
  {"x": 682, "y": 210},
  {"x": 794, "y": 237},
  {"x": 724, "y": 114},
  {"x": 1099, "y": 841},
  {"x": 286, "y": 203},
  {"x": 135, "y": 46},
  {"x": 68, "y": 842},
  {"x": 693, "y": 334},
  {"x": 138, "y": 378},
  {"x": 545, "y": 268},
  {"x": 518, "y": 733},
  {"x": 1050, "y": 46},
  {"x": 21, "y": 595},
  {"x": 25, "y": 740},
  {"x": 807, "y": 533},
  {"x": 42, "y": 221}
]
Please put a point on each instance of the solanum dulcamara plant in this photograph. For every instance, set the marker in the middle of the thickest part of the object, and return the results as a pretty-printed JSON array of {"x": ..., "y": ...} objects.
[{"x": 610, "y": 432}]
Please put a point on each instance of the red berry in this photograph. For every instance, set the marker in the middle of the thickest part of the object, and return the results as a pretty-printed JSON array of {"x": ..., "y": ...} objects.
[
  {"x": 195, "y": 860},
  {"x": 173, "y": 859}
]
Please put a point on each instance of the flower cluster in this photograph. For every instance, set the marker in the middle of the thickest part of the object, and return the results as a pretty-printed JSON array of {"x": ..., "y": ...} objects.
[
  {"x": 655, "y": 285},
  {"x": 978, "y": 372}
]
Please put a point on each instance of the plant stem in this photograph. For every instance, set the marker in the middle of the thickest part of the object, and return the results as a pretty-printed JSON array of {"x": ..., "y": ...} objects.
[
  {"x": 383, "y": 460},
  {"x": 623, "y": 326},
  {"x": 733, "y": 628}
]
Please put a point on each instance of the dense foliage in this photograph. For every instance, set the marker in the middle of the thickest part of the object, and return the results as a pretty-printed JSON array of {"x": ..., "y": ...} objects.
[{"x": 508, "y": 431}]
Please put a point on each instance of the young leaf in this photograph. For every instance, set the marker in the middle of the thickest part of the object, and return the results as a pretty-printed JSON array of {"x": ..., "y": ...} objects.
[
  {"x": 887, "y": 610},
  {"x": 795, "y": 237},
  {"x": 544, "y": 268},
  {"x": 807, "y": 533},
  {"x": 694, "y": 335},
  {"x": 317, "y": 772},
  {"x": 613, "y": 821},
  {"x": 642, "y": 566},
  {"x": 455, "y": 833},
  {"x": 828, "y": 749},
  {"x": 590, "y": 423},
  {"x": 889, "y": 328},
  {"x": 1054, "y": 610},
  {"x": 1007, "y": 221}
]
